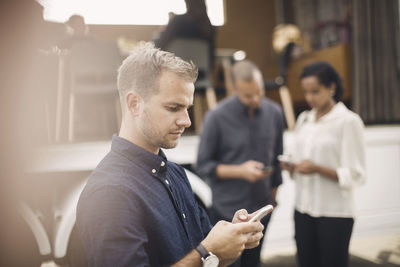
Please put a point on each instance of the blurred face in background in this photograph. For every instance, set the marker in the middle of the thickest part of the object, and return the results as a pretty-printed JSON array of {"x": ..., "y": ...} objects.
[
  {"x": 76, "y": 26},
  {"x": 317, "y": 95},
  {"x": 250, "y": 93}
]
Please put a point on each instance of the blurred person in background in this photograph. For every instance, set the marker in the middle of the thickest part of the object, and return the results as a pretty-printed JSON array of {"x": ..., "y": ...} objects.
[
  {"x": 327, "y": 161},
  {"x": 239, "y": 145},
  {"x": 195, "y": 23},
  {"x": 76, "y": 31}
]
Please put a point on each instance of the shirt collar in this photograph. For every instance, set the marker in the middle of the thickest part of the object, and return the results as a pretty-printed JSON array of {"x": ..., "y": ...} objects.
[
  {"x": 242, "y": 108},
  {"x": 336, "y": 111},
  {"x": 153, "y": 164}
]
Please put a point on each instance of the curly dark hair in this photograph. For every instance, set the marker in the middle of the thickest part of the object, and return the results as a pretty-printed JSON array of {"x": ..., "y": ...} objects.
[{"x": 326, "y": 75}]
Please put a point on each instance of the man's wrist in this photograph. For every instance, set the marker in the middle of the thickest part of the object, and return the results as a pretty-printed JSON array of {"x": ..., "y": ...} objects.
[
  {"x": 207, "y": 257},
  {"x": 206, "y": 246},
  {"x": 202, "y": 251}
]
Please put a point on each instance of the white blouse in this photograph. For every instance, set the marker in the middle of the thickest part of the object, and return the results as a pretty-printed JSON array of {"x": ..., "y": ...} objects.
[{"x": 336, "y": 141}]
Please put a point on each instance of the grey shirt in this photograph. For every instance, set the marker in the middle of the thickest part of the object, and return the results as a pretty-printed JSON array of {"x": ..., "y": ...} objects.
[{"x": 230, "y": 136}]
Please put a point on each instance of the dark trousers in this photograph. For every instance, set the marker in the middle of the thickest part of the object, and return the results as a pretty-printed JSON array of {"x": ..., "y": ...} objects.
[
  {"x": 322, "y": 241},
  {"x": 250, "y": 257}
]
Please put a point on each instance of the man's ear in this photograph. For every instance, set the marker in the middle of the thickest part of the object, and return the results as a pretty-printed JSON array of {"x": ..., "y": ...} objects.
[{"x": 133, "y": 102}]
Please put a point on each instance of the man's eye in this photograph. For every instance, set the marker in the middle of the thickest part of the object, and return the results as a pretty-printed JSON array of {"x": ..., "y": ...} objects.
[{"x": 174, "y": 109}]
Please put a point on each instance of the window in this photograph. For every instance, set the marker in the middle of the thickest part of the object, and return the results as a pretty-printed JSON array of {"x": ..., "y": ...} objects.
[{"x": 125, "y": 12}]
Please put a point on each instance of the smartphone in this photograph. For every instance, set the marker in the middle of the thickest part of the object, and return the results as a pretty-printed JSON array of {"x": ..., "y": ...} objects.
[
  {"x": 261, "y": 213},
  {"x": 284, "y": 159},
  {"x": 267, "y": 168}
]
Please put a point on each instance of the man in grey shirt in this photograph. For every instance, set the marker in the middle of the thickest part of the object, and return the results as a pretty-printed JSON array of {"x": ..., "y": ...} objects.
[{"x": 240, "y": 142}]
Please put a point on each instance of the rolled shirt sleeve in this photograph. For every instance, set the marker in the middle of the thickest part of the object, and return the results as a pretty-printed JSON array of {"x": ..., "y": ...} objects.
[{"x": 352, "y": 171}]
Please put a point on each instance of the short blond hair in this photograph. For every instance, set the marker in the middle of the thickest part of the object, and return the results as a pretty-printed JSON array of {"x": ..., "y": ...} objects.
[
  {"x": 244, "y": 70},
  {"x": 141, "y": 70},
  {"x": 247, "y": 71}
]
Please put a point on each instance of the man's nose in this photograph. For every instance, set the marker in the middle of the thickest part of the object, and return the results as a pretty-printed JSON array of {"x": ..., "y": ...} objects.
[
  {"x": 184, "y": 120},
  {"x": 256, "y": 99}
]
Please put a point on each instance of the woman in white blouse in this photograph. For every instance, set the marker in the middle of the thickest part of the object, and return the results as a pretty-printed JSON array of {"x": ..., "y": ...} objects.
[{"x": 328, "y": 161}]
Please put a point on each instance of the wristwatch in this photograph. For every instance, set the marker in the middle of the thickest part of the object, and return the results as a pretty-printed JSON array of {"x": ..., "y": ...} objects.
[{"x": 208, "y": 259}]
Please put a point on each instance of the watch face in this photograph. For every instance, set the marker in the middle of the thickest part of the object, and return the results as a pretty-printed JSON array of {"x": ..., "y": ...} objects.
[{"x": 211, "y": 261}]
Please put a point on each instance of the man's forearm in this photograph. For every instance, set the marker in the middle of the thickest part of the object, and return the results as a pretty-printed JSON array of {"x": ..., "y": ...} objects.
[
  {"x": 191, "y": 260},
  {"x": 225, "y": 171}
]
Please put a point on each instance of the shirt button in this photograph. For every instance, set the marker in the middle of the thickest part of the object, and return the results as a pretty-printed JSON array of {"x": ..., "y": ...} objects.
[
  {"x": 162, "y": 163},
  {"x": 166, "y": 181},
  {"x": 153, "y": 170},
  {"x": 183, "y": 215}
]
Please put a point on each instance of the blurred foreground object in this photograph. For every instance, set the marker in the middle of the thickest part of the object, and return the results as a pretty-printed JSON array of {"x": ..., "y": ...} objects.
[
  {"x": 283, "y": 35},
  {"x": 286, "y": 39}
]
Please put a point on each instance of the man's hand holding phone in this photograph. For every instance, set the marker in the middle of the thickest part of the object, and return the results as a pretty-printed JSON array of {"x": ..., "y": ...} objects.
[
  {"x": 253, "y": 171},
  {"x": 228, "y": 240},
  {"x": 261, "y": 213},
  {"x": 241, "y": 216},
  {"x": 268, "y": 169}
]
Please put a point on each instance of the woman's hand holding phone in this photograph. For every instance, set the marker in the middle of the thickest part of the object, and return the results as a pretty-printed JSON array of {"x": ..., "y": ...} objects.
[{"x": 286, "y": 163}]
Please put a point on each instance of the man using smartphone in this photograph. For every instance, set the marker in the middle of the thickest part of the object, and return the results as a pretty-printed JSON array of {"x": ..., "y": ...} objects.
[
  {"x": 240, "y": 142},
  {"x": 137, "y": 208}
]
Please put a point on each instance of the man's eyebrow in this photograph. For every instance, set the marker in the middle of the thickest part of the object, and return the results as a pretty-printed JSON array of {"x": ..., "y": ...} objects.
[{"x": 177, "y": 104}]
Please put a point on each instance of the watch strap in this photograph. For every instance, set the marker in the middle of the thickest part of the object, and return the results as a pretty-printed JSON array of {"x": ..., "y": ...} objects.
[{"x": 204, "y": 253}]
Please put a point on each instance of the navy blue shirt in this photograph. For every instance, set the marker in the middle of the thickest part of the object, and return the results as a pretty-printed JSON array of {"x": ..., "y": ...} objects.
[
  {"x": 138, "y": 209},
  {"x": 230, "y": 136}
]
